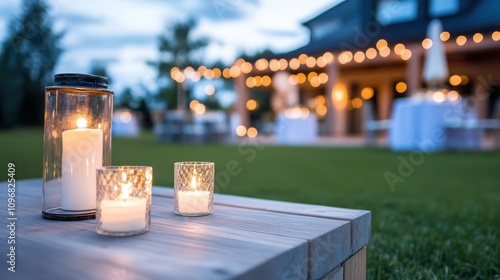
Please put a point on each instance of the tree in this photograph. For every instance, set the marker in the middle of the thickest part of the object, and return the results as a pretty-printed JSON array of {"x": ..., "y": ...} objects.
[
  {"x": 29, "y": 55},
  {"x": 177, "y": 49}
]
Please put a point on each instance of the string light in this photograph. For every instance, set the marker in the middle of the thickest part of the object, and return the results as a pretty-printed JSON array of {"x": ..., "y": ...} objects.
[
  {"x": 401, "y": 87},
  {"x": 243, "y": 67},
  {"x": 455, "y": 80},
  {"x": 367, "y": 93}
]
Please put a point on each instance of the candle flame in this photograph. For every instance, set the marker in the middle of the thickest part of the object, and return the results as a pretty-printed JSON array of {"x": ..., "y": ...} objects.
[
  {"x": 81, "y": 123},
  {"x": 126, "y": 190},
  {"x": 193, "y": 183}
]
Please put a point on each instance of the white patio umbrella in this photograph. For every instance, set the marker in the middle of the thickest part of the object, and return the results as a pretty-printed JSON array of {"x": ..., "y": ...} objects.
[{"x": 435, "y": 65}]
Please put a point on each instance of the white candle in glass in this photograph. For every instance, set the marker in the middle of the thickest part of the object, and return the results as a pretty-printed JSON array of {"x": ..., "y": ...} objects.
[
  {"x": 81, "y": 156},
  {"x": 124, "y": 214},
  {"x": 193, "y": 202}
]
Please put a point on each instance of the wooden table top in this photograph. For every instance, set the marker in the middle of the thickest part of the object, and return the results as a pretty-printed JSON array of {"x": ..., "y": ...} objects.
[{"x": 244, "y": 238}]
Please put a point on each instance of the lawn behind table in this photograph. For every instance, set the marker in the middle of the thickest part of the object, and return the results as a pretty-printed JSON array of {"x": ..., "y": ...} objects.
[{"x": 441, "y": 221}]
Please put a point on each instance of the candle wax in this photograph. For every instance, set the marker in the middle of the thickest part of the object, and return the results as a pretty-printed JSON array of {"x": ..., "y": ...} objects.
[
  {"x": 81, "y": 156},
  {"x": 193, "y": 202},
  {"x": 123, "y": 215}
]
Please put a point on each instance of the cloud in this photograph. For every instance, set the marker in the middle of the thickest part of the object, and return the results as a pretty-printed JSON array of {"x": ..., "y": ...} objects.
[{"x": 217, "y": 10}]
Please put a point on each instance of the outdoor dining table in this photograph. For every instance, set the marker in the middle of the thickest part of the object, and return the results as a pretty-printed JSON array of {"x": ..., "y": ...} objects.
[
  {"x": 244, "y": 238},
  {"x": 419, "y": 124}
]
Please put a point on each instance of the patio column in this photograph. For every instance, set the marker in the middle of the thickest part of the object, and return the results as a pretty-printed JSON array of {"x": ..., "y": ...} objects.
[
  {"x": 414, "y": 70},
  {"x": 384, "y": 100},
  {"x": 336, "y": 102},
  {"x": 242, "y": 95}
]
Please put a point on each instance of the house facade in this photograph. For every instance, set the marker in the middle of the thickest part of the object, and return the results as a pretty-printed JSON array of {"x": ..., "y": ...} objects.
[{"x": 373, "y": 51}]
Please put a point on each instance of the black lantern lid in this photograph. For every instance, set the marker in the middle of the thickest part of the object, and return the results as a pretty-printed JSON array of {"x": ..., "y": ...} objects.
[{"x": 81, "y": 80}]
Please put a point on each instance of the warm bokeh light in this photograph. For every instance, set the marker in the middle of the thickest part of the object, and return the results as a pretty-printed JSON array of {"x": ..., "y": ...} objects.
[
  {"x": 357, "y": 103},
  {"x": 427, "y": 43},
  {"x": 461, "y": 40},
  {"x": 199, "y": 109},
  {"x": 406, "y": 54},
  {"x": 371, "y": 53},
  {"x": 311, "y": 74},
  {"x": 241, "y": 130},
  {"x": 301, "y": 77},
  {"x": 274, "y": 65},
  {"x": 345, "y": 57},
  {"x": 339, "y": 96},
  {"x": 323, "y": 78},
  {"x": 251, "y": 104},
  {"x": 399, "y": 48},
  {"x": 478, "y": 37},
  {"x": 385, "y": 52},
  {"x": 367, "y": 92},
  {"x": 495, "y": 35},
  {"x": 302, "y": 58},
  {"x": 321, "y": 61},
  {"x": 209, "y": 74},
  {"x": 250, "y": 82},
  {"x": 452, "y": 95},
  {"x": 258, "y": 81},
  {"x": 381, "y": 44},
  {"x": 311, "y": 62},
  {"x": 209, "y": 89},
  {"x": 202, "y": 70},
  {"x": 321, "y": 110},
  {"x": 445, "y": 35},
  {"x": 226, "y": 73},
  {"x": 252, "y": 132},
  {"x": 293, "y": 80},
  {"x": 188, "y": 70},
  {"x": 217, "y": 73},
  {"x": 328, "y": 56},
  {"x": 439, "y": 97},
  {"x": 315, "y": 81},
  {"x": 261, "y": 64},
  {"x": 283, "y": 64},
  {"x": 294, "y": 64},
  {"x": 266, "y": 80},
  {"x": 246, "y": 67},
  {"x": 193, "y": 103},
  {"x": 234, "y": 71},
  {"x": 401, "y": 87},
  {"x": 359, "y": 56},
  {"x": 455, "y": 80}
]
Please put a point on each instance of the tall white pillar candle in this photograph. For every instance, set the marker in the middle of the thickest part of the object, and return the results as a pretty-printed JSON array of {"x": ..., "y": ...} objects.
[{"x": 81, "y": 156}]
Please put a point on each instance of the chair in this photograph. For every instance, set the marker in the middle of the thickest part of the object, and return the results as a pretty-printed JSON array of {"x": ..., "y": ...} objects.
[
  {"x": 371, "y": 125},
  {"x": 485, "y": 124}
]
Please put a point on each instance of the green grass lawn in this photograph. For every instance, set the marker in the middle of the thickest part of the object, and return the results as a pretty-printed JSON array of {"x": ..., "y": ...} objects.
[{"x": 442, "y": 222}]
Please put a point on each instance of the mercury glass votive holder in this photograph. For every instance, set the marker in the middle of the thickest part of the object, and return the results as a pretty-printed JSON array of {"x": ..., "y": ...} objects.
[
  {"x": 123, "y": 200},
  {"x": 194, "y": 188}
]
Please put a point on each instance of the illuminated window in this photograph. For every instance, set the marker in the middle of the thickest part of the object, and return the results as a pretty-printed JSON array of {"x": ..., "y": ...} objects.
[{"x": 394, "y": 11}]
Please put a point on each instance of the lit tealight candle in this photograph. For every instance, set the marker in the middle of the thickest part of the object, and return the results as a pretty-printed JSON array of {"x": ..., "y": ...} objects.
[
  {"x": 194, "y": 201},
  {"x": 81, "y": 156},
  {"x": 126, "y": 214},
  {"x": 194, "y": 188}
]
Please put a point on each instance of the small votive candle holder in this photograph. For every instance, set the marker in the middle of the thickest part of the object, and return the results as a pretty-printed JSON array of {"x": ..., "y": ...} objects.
[
  {"x": 123, "y": 200},
  {"x": 193, "y": 188}
]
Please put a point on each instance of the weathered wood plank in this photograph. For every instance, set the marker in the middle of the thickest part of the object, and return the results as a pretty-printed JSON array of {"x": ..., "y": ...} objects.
[
  {"x": 360, "y": 220},
  {"x": 355, "y": 266}
]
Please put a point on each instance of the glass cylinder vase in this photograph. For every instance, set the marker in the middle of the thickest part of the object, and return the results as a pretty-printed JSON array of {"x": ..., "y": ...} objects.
[
  {"x": 193, "y": 188},
  {"x": 77, "y": 141}
]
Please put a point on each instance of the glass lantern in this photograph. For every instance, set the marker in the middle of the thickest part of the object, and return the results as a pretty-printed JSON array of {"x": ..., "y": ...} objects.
[{"x": 77, "y": 141}]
